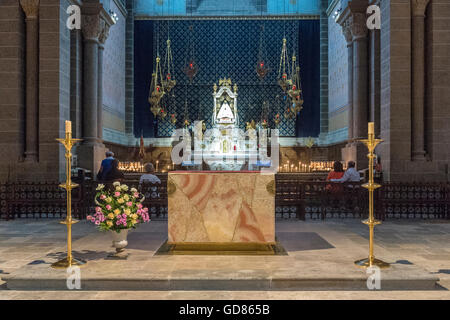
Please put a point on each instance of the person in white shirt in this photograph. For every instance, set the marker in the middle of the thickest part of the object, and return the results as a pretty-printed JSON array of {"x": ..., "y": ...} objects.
[
  {"x": 350, "y": 175},
  {"x": 149, "y": 176}
]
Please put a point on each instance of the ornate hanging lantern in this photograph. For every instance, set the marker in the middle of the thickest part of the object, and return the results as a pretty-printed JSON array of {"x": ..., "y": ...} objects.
[
  {"x": 295, "y": 91},
  {"x": 156, "y": 90},
  {"x": 173, "y": 118},
  {"x": 261, "y": 67},
  {"x": 191, "y": 67},
  {"x": 169, "y": 81},
  {"x": 186, "y": 121},
  {"x": 264, "y": 124},
  {"x": 162, "y": 113},
  {"x": 191, "y": 70},
  {"x": 284, "y": 79},
  {"x": 264, "y": 115},
  {"x": 277, "y": 119},
  {"x": 289, "y": 113}
]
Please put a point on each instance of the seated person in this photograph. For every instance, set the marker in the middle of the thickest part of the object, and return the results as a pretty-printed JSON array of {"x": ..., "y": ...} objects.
[
  {"x": 337, "y": 173},
  {"x": 351, "y": 175},
  {"x": 114, "y": 174},
  {"x": 149, "y": 176},
  {"x": 106, "y": 165}
]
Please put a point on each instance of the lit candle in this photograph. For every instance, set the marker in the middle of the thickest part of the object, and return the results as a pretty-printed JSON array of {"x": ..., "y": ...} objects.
[
  {"x": 371, "y": 128},
  {"x": 157, "y": 162},
  {"x": 68, "y": 126}
]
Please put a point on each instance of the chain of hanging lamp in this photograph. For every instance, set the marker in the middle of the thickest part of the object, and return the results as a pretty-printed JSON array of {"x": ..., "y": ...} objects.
[
  {"x": 156, "y": 87},
  {"x": 295, "y": 92}
]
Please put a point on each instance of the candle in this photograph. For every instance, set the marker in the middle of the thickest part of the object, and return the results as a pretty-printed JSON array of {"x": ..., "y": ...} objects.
[
  {"x": 371, "y": 128},
  {"x": 68, "y": 126}
]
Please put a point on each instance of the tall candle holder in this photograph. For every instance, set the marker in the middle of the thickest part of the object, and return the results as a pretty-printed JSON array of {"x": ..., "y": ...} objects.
[
  {"x": 68, "y": 143},
  {"x": 371, "y": 143}
]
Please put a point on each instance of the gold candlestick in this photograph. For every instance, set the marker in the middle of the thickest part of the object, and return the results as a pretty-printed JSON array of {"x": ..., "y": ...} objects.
[
  {"x": 371, "y": 143},
  {"x": 68, "y": 143}
]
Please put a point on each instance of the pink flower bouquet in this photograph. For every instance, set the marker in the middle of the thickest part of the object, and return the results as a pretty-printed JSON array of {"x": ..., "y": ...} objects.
[{"x": 118, "y": 208}]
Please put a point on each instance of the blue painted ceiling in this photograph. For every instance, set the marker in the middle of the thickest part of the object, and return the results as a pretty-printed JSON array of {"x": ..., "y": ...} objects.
[{"x": 226, "y": 7}]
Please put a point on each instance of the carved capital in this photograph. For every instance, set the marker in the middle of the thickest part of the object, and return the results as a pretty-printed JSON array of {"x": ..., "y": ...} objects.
[
  {"x": 30, "y": 7},
  {"x": 347, "y": 31},
  {"x": 104, "y": 32},
  {"x": 90, "y": 27},
  {"x": 359, "y": 25},
  {"x": 418, "y": 7}
]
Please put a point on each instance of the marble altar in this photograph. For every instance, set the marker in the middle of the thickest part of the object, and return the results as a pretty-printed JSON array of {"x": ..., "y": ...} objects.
[{"x": 221, "y": 211}]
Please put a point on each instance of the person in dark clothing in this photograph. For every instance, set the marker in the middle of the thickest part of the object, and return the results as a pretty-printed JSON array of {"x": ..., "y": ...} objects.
[
  {"x": 114, "y": 174},
  {"x": 105, "y": 166}
]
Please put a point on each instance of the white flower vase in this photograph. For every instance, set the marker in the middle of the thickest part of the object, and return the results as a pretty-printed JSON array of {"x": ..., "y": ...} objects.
[{"x": 119, "y": 241}]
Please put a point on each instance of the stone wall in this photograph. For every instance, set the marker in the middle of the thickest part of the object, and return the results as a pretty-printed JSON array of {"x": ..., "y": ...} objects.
[
  {"x": 437, "y": 109},
  {"x": 324, "y": 70},
  {"x": 397, "y": 89},
  {"x": 129, "y": 69},
  {"x": 12, "y": 100},
  {"x": 337, "y": 79},
  {"x": 53, "y": 92},
  {"x": 114, "y": 74}
]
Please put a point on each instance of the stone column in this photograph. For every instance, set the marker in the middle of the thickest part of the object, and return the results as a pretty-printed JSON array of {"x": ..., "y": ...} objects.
[
  {"x": 360, "y": 75},
  {"x": 374, "y": 73},
  {"x": 31, "y": 9},
  {"x": 91, "y": 32},
  {"x": 323, "y": 70},
  {"x": 76, "y": 99},
  {"x": 104, "y": 32},
  {"x": 91, "y": 151},
  {"x": 348, "y": 37},
  {"x": 418, "y": 8}
]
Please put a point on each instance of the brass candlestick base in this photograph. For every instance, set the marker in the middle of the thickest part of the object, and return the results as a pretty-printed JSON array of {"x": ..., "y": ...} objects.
[
  {"x": 365, "y": 263},
  {"x": 68, "y": 262},
  {"x": 371, "y": 143}
]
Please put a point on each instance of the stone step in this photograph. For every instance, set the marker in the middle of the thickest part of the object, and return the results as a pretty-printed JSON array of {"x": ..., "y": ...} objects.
[{"x": 411, "y": 278}]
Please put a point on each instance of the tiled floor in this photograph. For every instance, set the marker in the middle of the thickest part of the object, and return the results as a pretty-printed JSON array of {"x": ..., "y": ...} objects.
[{"x": 422, "y": 243}]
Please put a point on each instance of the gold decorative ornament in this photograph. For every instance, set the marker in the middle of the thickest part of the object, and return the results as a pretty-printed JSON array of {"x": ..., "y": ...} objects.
[
  {"x": 171, "y": 187},
  {"x": 270, "y": 187},
  {"x": 225, "y": 82},
  {"x": 68, "y": 143},
  {"x": 250, "y": 125},
  {"x": 371, "y": 143},
  {"x": 309, "y": 142}
]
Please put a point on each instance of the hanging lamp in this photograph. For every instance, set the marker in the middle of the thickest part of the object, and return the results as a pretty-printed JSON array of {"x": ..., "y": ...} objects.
[
  {"x": 261, "y": 66},
  {"x": 191, "y": 67},
  {"x": 284, "y": 79},
  {"x": 156, "y": 89},
  {"x": 295, "y": 91},
  {"x": 169, "y": 80}
]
